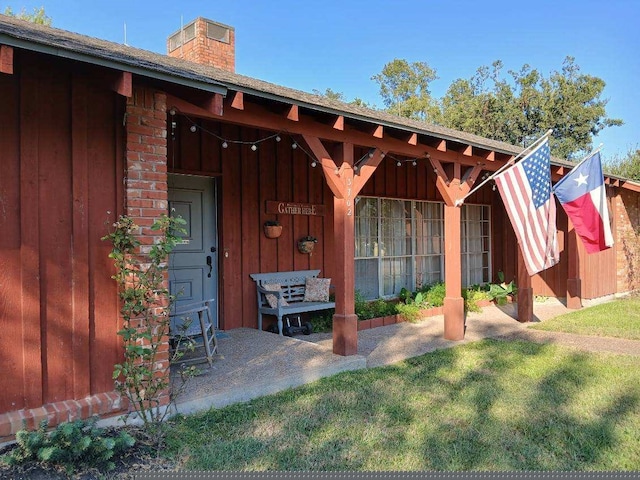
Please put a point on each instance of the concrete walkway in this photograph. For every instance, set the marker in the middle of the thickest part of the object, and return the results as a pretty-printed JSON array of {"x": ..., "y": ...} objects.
[{"x": 254, "y": 363}]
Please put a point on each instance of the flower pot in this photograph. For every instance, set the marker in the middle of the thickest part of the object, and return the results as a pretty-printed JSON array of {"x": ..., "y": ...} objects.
[
  {"x": 272, "y": 231},
  {"x": 306, "y": 246}
]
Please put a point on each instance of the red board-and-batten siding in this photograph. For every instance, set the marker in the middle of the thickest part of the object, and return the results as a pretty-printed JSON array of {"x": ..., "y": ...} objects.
[
  {"x": 61, "y": 165},
  {"x": 275, "y": 171}
]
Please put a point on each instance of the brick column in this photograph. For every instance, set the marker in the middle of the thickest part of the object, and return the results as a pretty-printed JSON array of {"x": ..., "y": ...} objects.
[{"x": 146, "y": 176}]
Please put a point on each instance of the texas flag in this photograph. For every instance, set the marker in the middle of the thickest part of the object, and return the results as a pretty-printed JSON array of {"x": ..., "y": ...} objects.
[{"x": 582, "y": 195}]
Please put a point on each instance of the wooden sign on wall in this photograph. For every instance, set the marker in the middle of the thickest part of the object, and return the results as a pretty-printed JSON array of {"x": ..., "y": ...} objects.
[{"x": 291, "y": 208}]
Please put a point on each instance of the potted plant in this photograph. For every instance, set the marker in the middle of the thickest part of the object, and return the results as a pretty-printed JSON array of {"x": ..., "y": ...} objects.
[
  {"x": 272, "y": 229},
  {"x": 306, "y": 244}
]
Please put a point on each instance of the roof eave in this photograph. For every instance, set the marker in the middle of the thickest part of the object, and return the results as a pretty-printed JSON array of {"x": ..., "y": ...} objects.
[{"x": 212, "y": 87}]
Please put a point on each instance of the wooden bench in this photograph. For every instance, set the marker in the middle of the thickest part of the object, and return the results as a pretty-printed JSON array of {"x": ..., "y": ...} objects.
[{"x": 292, "y": 290}]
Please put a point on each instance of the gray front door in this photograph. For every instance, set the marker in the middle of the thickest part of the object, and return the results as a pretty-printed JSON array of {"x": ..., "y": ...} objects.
[{"x": 193, "y": 265}]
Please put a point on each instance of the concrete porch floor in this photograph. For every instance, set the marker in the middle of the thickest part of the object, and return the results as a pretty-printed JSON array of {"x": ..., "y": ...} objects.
[{"x": 252, "y": 363}]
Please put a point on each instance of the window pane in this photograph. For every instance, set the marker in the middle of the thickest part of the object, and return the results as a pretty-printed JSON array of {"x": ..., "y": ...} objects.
[
  {"x": 396, "y": 275},
  {"x": 366, "y": 272}
]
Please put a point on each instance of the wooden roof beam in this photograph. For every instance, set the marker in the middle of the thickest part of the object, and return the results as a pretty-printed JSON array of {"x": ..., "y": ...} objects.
[
  {"x": 378, "y": 131},
  {"x": 213, "y": 103},
  {"x": 6, "y": 59},
  {"x": 338, "y": 123},
  {"x": 122, "y": 84},
  {"x": 258, "y": 116}
]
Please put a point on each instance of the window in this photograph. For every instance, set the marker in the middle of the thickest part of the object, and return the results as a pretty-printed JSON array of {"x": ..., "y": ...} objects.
[
  {"x": 476, "y": 240},
  {"x": 400, "y": 243}
]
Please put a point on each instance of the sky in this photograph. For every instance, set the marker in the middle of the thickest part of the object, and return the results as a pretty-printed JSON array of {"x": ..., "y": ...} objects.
[{"x": 340, "y": 44}]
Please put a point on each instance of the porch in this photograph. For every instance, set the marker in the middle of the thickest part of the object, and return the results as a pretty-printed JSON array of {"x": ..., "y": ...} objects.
[{"x": 254, "y": 363}]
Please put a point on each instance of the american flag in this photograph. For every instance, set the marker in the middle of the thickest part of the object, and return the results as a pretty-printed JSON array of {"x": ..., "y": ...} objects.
[{"x": 526, "y": 192}]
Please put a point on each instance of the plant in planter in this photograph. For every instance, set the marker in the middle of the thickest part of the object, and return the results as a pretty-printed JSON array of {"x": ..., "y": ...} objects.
[
  {"x": 306, "y": 244},
  {"x": 272, "y": 229},
  {"x": 500, "y": 292}
]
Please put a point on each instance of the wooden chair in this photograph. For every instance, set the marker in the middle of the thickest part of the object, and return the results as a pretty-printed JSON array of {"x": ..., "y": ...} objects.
[{"x": 193, "y": 324}]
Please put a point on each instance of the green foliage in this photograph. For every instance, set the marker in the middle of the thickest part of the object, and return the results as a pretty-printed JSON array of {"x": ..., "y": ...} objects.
[
  {"x": 472, "y": 296},
  {"x": 145, "y": 306},
  {"x": 626, "y": 167},
  {"x": 404, "y": 88},
  {"x": 500, "y": 291},
  {"x": 409, "y": 311},
  {"x": 38, "y": 16},
  {"x": 373, "y": 309},
  {"x": 515, "y": 110},
  {"x": 323, "y": 321},
  {"x": 434, "y": 294},
  {"x": 72, "y": 445}
]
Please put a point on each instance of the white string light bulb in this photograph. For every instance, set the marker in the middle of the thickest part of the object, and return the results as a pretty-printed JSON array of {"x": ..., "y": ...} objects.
[
  {"x": 193, "y": 128},
  {"x": 278, "y": 138},
  {"x": 399, "y": 163},
  {"x": 313, "y": 164},
  {"x": 414, "y": 163},
  {"x": 294, "y": 145},
  {"x": 225, "y": 144},
  {"x": 254, "y": 147},
  {"x": 172, "y": 112}
]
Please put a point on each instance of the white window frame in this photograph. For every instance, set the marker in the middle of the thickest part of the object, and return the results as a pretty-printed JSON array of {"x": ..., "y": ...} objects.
[{"x": 466, "y": 243}]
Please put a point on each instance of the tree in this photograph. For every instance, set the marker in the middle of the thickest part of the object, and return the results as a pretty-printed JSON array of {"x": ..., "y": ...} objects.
[
  {"x": 516, "y": 110},
  {"x": 404, "y": 88},
  {"x": 627, "y": 167},
  {"x": 38, "y": 16},
  {"x": 339, "y": 96}
]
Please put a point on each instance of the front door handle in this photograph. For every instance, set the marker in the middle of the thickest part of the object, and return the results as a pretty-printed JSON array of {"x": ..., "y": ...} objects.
[{"x": 210, "y": 264}]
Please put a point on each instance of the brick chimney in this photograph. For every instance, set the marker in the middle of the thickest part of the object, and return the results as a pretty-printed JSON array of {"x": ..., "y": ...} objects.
[{"x": 205, "y": 42}]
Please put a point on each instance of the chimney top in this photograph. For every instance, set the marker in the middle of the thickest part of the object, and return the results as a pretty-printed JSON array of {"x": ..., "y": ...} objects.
[{"x": 205, "y": 42}]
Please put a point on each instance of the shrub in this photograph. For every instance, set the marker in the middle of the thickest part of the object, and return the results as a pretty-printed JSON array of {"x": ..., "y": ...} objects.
[
  {"x": 472, "y": 296},
  {"x": 409, "y": 311},
  {"x": 434, "y": 294},
  {"x": 72, "y": 445}
]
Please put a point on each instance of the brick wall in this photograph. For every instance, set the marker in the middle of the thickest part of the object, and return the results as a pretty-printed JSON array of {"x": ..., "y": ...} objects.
[
  {"x": 146, "y": 196},
  {"x": 627, "y": 238}
]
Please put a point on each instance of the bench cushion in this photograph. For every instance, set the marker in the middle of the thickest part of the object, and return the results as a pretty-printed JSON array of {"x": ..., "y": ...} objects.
[
  {"x": 273, "y": 299},
  {"x": 316, "y": 289}
]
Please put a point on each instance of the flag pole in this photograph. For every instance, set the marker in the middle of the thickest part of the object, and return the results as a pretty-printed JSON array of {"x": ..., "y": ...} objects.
[
  {"x": 460, "y": 201},
  {"x": 577, "y": 165}
]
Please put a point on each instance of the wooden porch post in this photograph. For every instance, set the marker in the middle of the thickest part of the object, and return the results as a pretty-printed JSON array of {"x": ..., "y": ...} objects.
[
  {"x": 453, "y": 301},
  {"x": 345, "y": 320},
  {"x": 525, "y": 290},
  {"x": 574, "y": 283},
  {"x": 453, "y": 190},
  {"x": 345, "y": 185}
]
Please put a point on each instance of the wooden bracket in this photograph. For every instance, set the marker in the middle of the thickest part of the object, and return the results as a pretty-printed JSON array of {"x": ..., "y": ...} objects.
[
  {"x": 6, "y": 59},
  {"x": 342, "y": 181},
  {"x": 292, "y": 113},
  {"x": 455, "y": 188},
  {"x": 237, "y": 100}
]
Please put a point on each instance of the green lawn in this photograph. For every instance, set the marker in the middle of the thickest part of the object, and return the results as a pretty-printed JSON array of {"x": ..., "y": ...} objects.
[
  {"x": 619, "y": 318},
  {"x": 489, "y": 405}
]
